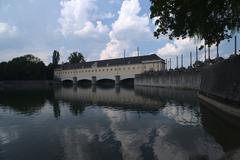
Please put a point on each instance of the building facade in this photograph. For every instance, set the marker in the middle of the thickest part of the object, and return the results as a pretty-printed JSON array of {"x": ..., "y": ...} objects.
[{"x": 112, "y": 69}]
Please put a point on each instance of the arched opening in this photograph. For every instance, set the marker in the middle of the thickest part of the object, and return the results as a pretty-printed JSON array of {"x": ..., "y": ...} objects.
[
  {"x": 128, "y": 82},
  {"x": 67, "y": 83},
  {"x": 106, "y": 83},
  {"x": 85, "y": 83}
]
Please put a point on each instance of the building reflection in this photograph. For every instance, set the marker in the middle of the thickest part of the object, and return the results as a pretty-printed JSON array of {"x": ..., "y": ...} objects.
[{"x": 121, "y": 98}]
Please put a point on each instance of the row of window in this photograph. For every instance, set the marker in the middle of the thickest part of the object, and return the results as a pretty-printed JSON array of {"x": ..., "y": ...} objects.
[{"x": 98, "y": 70}]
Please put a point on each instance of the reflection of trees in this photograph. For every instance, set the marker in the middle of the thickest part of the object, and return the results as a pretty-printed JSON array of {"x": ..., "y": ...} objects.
[
  {"x": 24, "y": 101},
  {"x": 56, "y": 109},
  {"x": 76, "y": 108}
]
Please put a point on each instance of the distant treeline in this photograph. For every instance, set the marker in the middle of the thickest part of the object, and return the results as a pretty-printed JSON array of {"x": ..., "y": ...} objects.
[
  {"x": 29, "y": 67},
  {"x": 26, "y": 67}
]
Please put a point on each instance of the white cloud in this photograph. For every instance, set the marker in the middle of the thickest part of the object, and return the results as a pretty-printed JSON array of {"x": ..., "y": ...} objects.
[
  {"x": 127, "y": 30},
  {"x": 6, "y": 29},
  {"x": 92, "y": 31},
  {"x": 76, "y": 19},
  {"x": 102, "y": 16},
  {"x": 178, "y": 47}
]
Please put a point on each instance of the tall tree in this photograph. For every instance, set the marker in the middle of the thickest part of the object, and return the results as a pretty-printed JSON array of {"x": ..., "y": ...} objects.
[
  {"x": 55, "y": 57},
  {"x": 209, "y": 20},
  {"x": 76, "y": 57}
]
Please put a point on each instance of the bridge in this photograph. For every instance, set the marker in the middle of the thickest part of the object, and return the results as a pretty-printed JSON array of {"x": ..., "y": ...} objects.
[{"x": 114, "y": 70}]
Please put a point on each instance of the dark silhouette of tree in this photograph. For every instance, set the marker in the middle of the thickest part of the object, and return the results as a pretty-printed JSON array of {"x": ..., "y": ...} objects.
[
  {"x": 209, "y": 20},
  {"x": 26, "y": 67},
  {"x": 55, "y": 57},
  {"x": 76, "y": 57}
]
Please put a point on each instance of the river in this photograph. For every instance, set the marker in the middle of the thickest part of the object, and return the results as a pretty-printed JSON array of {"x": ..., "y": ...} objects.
[{"x": 97, "y": 123}]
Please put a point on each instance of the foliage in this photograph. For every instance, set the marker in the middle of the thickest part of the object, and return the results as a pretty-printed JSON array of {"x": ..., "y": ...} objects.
[
  {"x": 209, "y": 20},
  {"x": 25, "y": 67},
  {"x": 55, "y": 57},
  {"x": 76, "y": 57}
]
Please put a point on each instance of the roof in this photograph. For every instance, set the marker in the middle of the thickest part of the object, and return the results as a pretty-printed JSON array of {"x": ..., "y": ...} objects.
[{"x": 112, "y": 62}]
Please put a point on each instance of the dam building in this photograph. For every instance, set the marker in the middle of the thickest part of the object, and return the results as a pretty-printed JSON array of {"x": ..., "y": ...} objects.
[{"x": 117, "y": 70}]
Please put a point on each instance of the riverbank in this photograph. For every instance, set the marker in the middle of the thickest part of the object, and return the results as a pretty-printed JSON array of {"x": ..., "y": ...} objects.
[
  {"x": 28, "y": 83},
  {"x": 218, "y": 84}
]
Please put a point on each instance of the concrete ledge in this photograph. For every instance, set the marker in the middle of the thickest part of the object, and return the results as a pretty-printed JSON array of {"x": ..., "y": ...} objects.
[
  {"x": 231, "y": 110},
  {"x": 159, "y": 86}
]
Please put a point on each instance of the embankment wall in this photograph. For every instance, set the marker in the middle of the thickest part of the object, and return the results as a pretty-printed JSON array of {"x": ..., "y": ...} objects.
[
  {"x": 220, "y": 80},
  {"x": 173, "y": 79}
]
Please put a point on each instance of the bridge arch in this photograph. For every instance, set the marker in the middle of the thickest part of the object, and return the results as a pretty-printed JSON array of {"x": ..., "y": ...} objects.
[
  {"x": 84, "y": 82},
  {"x": 67, "y": 82},
  {"x": 105, "y": 82},
  {"x": 127, "y": 82}
]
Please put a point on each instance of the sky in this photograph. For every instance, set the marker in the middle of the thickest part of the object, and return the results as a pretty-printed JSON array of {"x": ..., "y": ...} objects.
[{"x": 100, "y": 29}]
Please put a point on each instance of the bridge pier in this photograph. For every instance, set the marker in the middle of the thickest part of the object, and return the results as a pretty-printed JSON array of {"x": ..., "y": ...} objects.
[
  {"x": 74, "y": 81},
  {"x": 117, "y": 80},
  {"x": 94, "y": 79}
]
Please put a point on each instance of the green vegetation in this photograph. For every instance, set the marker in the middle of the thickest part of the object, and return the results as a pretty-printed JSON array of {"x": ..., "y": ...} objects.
[
  {"x": 29, "y": 67},
  {"x": 55, "y": 57},
  {"x": 209, "y": 20},
  {"x": 26, "y": 67},
  {"x": 76, "y": 57}
]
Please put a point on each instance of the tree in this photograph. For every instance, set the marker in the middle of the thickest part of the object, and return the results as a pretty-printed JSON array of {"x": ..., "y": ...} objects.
[
  {"x": 55, "y": 57},
  {"x": 209, "y": 20},
  {"x": 76, "y": 57},
  {"x": 25, "y": 67}
]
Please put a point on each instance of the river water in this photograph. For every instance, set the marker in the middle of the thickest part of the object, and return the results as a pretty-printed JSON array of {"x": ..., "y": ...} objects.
[{"x": 112, "y": 123}]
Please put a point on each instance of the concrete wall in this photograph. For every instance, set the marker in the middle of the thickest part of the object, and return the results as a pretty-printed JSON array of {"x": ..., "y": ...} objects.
[
  {"x": 222, "y": 80},
  {"x": 174, "y": 79}
]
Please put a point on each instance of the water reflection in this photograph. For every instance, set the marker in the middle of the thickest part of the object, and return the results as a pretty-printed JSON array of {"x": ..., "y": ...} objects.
[{"x": 113, "y": 123}]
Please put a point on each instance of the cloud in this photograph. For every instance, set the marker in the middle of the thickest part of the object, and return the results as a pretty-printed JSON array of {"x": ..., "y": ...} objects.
[
  {"x": 76, "y": 19},
  {"x": 91, "y": 31},
  {"x": 102, "y": 16},
  {"x": 177, "y": 47},
  {"x": 6, "y": 29},
  {"x": 127, "y": 30}
]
